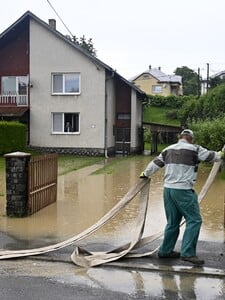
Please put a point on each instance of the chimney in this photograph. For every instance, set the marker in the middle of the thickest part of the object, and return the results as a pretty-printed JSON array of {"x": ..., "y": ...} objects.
[
  {"x": 150, "y": 67},
  {"x": 52, "y": 23},
  {"x": 159, "y": 68}
]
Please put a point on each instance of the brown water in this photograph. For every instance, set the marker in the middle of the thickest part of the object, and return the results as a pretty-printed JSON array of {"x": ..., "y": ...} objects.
[{"x": 83, "y": 198}]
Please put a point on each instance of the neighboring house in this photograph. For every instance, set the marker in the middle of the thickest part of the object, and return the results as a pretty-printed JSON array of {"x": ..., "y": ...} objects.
[
  {"x": 205, "y": 84},
  {"x": 155, "y": 82},
  {"x": 71, "y": 101}
]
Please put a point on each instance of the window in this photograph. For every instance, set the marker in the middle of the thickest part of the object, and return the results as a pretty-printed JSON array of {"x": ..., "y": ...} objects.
[
  {"x": 65, "y": 123},
  {"x": 14, "y": 85},
  {"x": 157, "y": 89},
  {"x": 68, "y": 83},
  {"x": 123, "y": 116}
]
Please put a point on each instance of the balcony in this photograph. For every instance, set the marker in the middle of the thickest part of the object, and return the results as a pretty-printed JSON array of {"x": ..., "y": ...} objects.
[{"x": 13, "y": 100}]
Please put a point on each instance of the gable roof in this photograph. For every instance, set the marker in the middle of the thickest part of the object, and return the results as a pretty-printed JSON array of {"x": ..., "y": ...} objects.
[
  {"x": 25, "y": 18},
  {"x": 160, "y": 76}
]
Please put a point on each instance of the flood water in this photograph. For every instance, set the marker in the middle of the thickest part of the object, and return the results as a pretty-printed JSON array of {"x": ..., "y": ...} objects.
[{"x": 84, "y": 197}]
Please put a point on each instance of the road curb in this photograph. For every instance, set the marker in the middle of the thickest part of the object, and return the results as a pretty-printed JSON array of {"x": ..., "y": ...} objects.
[{"x": 151, "y": 267}]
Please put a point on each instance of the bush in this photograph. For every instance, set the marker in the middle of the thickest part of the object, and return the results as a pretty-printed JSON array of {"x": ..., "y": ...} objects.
[
  {"x": 172, "y": 114},
  {"x": 210, "y": 134},
  {"x": 147, "y": 134},
  {"x": 207, "y": 107},
  {"x": 171, "y": 101},
  {"x": 12, "y": 137}
]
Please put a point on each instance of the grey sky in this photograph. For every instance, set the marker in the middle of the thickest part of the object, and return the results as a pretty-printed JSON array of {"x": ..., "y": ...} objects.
[{"x": 130, "y": 35}]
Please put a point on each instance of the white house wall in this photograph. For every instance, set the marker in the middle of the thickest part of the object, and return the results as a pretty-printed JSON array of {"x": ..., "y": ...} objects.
[
  {"x": 136, "y": 121},
  {"x": 110, "y": 109},
  {"x": 49, "y": 54}
]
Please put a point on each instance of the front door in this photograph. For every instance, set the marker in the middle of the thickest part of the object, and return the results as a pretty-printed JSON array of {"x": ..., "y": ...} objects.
[{"x": 122, "y": 134}]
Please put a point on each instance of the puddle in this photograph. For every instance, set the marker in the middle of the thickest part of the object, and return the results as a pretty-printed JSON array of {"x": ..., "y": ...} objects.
[
  {"x": 84, "y": 198},
  {"x": 139, "y": 285},
  {"x": 124, "y": 283}
]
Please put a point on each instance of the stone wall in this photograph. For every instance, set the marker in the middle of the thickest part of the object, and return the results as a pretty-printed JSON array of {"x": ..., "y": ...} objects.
[
  {"x": 17, "y": 184},
  {"x": 75, "y": 151}
]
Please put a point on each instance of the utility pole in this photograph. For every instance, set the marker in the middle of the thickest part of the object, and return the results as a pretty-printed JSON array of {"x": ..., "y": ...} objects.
[
  {"x": 199, "y": 83},
  {"x": 207, "y": 78}
]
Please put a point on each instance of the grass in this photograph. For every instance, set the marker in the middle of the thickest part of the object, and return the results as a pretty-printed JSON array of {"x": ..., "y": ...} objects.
[
  {"x": 2, "y": 162},
  {"x": 158, "y": 115},
  {"x": 110, "y": 167},
  {"x": 68, "y": 163},
  {"x": 160, "y": 146}
]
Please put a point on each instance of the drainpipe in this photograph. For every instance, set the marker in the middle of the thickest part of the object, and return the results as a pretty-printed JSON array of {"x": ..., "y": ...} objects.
[{"x": 106, "y": 117}]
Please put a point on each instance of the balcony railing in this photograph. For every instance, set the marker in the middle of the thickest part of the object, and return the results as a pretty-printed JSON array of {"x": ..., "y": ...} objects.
[{"x": 13, "y": 100}]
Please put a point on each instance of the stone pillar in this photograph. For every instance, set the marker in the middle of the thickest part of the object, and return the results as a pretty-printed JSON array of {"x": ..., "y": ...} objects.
[{"x": 17, "y": 184}]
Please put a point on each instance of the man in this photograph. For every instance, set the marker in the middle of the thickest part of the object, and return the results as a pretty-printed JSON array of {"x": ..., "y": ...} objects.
[{"x": 180, "y": 200}]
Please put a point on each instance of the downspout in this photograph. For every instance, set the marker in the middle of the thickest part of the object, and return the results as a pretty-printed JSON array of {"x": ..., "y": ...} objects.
[{"x": 106, "y": 117}]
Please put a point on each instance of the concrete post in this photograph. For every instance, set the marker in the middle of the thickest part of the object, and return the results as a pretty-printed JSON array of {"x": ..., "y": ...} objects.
[{"x": 17, "y": 184}]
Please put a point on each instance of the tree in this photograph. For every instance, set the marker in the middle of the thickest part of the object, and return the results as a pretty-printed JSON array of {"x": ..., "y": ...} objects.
[
  {"x": 88, "y": 45},
  {"x": 190, "y": 81},
  {"x": 214, "y": 81}
]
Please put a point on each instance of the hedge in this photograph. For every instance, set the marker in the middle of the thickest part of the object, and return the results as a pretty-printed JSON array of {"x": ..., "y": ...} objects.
[
  {"x": 210, "y": 134},
  {"x": 171, "y": 101},
  {"x": 12, "y": 137},
  {"x": 207, "y": 107}
]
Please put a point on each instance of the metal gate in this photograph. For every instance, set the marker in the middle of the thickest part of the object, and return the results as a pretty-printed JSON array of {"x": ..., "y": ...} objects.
[
  {"x": 123, "y": 141},
  {"x": 42, "y": 182}
]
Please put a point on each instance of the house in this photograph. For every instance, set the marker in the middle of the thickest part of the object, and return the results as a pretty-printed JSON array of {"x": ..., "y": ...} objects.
[
  {"x": 154, "y": 82},
  {"x": 216, "y": 79},
  {"x": 71, "y": 101}
]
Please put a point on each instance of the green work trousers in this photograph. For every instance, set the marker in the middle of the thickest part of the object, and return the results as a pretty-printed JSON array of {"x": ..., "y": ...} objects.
[{"x": 180, "y": 203}]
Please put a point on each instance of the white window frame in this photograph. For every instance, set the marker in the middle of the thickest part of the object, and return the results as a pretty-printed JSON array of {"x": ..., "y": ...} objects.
[
  {"x": 17, "y": 81},
  {"x": 63, "y": 123},
  {"x": 63, "y": 92},
  {"x": 157, "y": 89}
]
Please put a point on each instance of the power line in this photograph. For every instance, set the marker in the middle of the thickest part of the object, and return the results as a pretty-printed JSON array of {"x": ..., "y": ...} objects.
[{"x": 60, "y": 18}]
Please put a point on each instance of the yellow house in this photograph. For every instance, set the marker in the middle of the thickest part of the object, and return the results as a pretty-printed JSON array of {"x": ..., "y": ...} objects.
[{"x": 154, "y": 82}]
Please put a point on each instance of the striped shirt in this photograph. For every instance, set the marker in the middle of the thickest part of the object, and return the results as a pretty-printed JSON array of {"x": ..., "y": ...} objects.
[{"x": 181, "y": 164}]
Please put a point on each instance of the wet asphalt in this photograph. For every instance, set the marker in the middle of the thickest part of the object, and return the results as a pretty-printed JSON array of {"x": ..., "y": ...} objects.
[{"x": 54, "y": 276}]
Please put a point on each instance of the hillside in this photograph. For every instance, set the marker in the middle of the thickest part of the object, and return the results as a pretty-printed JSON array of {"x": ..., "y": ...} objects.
[{"x": 160, "y": 115}]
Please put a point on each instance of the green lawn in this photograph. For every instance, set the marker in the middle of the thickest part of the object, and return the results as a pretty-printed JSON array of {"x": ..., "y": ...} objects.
[
  {"x": 68, "y": 163},
  {"x": 158, "y": 115}
]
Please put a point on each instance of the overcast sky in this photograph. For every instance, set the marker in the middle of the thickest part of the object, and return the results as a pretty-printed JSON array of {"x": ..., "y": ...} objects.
[{"x": 130, "y": 35}]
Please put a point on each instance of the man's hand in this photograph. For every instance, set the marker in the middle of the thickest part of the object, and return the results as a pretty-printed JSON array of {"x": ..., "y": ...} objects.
[{"x": 142, "y": 175}]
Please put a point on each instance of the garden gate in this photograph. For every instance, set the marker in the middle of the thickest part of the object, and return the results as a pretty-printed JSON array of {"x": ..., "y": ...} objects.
[{"x": 42, "y": 181}]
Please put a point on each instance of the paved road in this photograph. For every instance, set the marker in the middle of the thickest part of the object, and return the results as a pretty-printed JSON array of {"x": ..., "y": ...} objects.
[
  {"x": 54, "y": 276},
  {"x": 40, "y": 288}
]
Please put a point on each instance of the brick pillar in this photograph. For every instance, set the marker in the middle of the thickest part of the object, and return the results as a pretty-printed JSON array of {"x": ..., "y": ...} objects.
[{"x": 17, "y": 184}]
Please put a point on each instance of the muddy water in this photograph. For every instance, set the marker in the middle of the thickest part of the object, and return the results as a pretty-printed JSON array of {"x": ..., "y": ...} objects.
[{"x": 83, "y": 198}]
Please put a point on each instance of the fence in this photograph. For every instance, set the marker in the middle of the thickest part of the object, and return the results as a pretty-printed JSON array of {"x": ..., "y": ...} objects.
[
  {"x": 13, "y": 100},
  {"x": 42, "y": 182}
]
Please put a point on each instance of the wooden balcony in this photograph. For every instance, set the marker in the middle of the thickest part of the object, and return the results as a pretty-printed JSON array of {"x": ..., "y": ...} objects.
[{"x": 13, "y": 100}]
